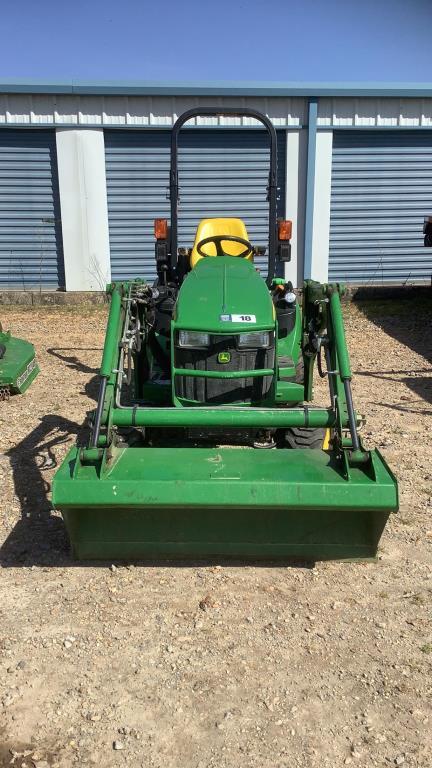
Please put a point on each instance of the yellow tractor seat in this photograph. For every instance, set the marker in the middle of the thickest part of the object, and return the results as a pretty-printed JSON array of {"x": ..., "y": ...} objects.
[{"x": 213, "y": 227}]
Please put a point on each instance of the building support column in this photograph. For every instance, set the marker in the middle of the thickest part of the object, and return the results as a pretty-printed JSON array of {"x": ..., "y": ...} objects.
[
  {"x": 295, "y": 187},
  {"x": 84, "y": 209},
  {"x": 318, "y": 195},
  {"x": 322, "y": 199},
  {"x": 310, "y": 188}
]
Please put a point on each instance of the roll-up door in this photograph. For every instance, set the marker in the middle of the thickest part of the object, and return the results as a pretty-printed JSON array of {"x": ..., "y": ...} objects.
[
  {"x": 381, "y": 190},
  {"x": 31, "y": 254},
  {"x": 221, "y": 173}
]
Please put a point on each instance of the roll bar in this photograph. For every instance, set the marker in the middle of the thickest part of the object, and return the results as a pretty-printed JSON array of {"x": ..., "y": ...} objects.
[{"x": 272, "y": 182}]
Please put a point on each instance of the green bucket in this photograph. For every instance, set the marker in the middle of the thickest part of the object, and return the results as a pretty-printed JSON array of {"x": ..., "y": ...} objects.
[{"x": 161, "y": 503}]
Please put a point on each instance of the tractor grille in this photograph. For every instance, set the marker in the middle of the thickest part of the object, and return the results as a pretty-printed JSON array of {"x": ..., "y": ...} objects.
[{"x": 220, "y": 391}]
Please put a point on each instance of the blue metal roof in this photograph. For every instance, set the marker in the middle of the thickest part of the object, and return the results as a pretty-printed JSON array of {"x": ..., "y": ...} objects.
[{"x": 218, "y": 88}]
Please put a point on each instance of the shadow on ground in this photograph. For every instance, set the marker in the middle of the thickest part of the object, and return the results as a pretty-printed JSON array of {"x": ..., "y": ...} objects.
[
  {"x": 39, "y": 537},
  {"x": 73, "y": 362},
  {"x": 407, "y": 320}
]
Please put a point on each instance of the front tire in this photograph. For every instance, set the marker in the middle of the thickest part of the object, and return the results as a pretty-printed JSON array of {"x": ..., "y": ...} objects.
[{"x": 305, "y": 437}]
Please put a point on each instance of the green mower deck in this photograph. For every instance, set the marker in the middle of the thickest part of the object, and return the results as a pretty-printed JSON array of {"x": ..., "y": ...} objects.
[
  {"x": 194, "y": 503},
  {"x": 18, "y": 365}
]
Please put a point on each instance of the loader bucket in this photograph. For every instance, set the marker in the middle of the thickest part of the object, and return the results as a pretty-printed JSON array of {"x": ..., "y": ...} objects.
[{"x": 152, "y": 503}]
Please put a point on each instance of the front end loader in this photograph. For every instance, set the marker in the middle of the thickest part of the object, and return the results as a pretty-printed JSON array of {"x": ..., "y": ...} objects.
[
  {"x": 18, "y": 365},
  {"x": 203, "y": 443}
]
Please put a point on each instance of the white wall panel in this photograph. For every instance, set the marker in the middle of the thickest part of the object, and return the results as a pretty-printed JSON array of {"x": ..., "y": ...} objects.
[
  {"x": 321, "y": 214},
  {"x": 295, "y": 197},
  {"x": 84, "y": 210}
]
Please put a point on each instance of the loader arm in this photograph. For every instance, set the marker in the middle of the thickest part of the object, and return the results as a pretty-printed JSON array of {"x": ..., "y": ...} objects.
[{"x": 323, "y": 329}]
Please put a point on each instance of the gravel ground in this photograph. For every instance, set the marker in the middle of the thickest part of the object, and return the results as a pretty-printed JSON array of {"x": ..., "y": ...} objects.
[{"x": 214, "y": 665}]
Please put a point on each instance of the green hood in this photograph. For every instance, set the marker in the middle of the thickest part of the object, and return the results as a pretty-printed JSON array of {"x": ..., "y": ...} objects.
[{"x": 220, "y": 288}]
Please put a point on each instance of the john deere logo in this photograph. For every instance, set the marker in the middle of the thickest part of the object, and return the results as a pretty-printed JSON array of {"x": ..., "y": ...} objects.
[{"x": 224, "y": 357}]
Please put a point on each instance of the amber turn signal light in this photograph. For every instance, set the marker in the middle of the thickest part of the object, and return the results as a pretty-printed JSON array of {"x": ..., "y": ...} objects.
[
  {"x": 284, "y": 230},
  {"x": 161, "y": 229}
]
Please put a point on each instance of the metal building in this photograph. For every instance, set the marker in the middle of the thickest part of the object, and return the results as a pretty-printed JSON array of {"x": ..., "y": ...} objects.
[{"x": 84, "y": 171}]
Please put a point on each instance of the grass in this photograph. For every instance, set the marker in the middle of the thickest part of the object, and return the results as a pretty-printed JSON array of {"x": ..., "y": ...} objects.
[{"x": 426, "y": 648}]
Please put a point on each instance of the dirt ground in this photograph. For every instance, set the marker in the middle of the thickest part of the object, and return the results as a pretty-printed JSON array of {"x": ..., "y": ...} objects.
[{"x": 215, "y": 665}]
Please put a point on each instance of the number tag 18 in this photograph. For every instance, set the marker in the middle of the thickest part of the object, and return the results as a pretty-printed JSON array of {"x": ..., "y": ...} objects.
[{"x": 243, "y": 318}]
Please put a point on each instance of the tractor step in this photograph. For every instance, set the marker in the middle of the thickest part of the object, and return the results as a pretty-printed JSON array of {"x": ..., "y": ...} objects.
[{"x": 150, "y": 503}]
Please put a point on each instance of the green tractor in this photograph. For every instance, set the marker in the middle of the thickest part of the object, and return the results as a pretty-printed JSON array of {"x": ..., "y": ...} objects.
[
  {"x": 202, "y": 443},
  {"x": 18, "y": 365}
]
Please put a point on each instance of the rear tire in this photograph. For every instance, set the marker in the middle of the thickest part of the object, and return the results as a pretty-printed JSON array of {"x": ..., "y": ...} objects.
[{"x": 305, "y": 437}]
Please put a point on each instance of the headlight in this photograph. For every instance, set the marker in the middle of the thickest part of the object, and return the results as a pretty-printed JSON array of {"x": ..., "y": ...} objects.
[
  {"x": 194, "y": 339},
  {"x": 254, "y": 340}
]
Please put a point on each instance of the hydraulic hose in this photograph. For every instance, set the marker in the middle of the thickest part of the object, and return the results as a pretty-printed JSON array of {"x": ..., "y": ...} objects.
[
  {"x": 98, "y": 415},
  {"x": 343, "y": 362}
]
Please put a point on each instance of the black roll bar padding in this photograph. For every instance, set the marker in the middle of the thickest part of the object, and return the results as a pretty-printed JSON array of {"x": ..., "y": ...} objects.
[{"x": 272, "y": 183}]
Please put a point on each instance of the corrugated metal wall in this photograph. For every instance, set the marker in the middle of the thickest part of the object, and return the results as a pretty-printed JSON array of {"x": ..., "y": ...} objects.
[
  {"x": 140, "y": 111},
  {"x": 135, "y": 111},
  {"x": 30, "y": 227},
  {"x": 381, "y": 190},
  {"x": 221, "y": 173}
]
